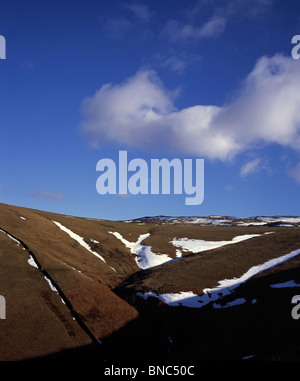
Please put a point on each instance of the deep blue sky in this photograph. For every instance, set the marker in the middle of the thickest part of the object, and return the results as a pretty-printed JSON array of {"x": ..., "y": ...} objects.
[{"x": 182, "y": 60}]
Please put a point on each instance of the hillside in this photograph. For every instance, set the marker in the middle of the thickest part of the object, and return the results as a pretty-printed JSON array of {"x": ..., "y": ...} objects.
[{"x": 177, "y": 288}]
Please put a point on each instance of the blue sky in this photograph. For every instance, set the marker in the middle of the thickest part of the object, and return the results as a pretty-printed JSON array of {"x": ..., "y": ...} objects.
[{"x": 176, "y": 79}]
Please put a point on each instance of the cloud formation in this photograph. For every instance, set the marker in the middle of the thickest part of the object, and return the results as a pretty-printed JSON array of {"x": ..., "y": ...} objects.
[
  {"x": 250, "y": 167},
  {"x": 214, "y": 27},
  {"x": 141, "y": 113}
]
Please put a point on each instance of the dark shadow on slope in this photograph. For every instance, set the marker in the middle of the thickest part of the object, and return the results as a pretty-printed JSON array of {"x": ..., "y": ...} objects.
[
  {"x": 260, "y": 329},
  {"x": 85, "y": 353}
]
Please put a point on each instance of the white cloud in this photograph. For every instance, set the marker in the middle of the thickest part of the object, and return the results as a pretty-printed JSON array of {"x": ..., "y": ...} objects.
[
  {"x": 175, "y": 64},
  {"x": 267, "y": 110},
  {"x": 178, "y": 63},
  {"x": 213, "y": 27},
  {"x": 140, "y": 112},
  {"x": 180, "y": 32},
  {"x": 250, "y": 167}
]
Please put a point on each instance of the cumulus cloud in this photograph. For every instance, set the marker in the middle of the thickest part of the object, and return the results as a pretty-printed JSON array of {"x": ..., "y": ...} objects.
[
  {"x": 140, "y": 112},
  {"x": 267, "y": 109}
]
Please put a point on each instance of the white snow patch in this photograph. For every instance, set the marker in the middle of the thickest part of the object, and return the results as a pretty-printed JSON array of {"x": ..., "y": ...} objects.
[
  {"x": 8, "y": 235},
  {"x": 283, "y": 219},
  {"x": 23, "y": 218},
  {"x": 198, "y": 245},
  {"x": 226, "y": 286},
  {"x": 145, "y": 258},
  {"x": 93, "y": 240},
  {"x": 213, "y": 221},
  {"x": 187, "y": 298},
  {"x": 53, "y": 288},
  {"x": 32, "y": 262},
  {"x": 76, "y": 269},
  {"x": 79, "y": 239},
  {"x": 252, "y": 223},
  {"x": 146, "y": 295}
]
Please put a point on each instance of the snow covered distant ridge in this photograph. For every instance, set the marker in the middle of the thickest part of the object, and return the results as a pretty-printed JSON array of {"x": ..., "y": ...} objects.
[{"x": 280, "y": 221}]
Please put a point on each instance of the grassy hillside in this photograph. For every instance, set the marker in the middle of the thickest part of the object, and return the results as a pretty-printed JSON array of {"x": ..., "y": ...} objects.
[{"x": 76, "y": 288}]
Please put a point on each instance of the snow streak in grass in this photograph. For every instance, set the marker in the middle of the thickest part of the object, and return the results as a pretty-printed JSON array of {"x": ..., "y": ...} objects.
[
  {"x": 8, "y": 235},
  {"x": 197, "y": 245},
  {"x": 225, "y": 287},
  {"x": 32, "y": 263},
  {"x": 79, "y": 239}
]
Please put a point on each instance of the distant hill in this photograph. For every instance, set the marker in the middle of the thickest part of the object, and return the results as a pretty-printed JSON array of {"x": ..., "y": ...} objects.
[{"x": 177, "y": 288}]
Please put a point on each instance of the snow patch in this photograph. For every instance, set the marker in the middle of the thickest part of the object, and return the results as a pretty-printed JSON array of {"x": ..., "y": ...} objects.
[
  {"x": 53, "y": 288},
  {"x": 226, "y": 286},
  {"x": 79, "y": 239},
  {"x": 145, "y": 258},
  {"x": 32, "y": 262},
  {"x": 187, "y": 299},
  {"x": 9, "y": 236},
  {"x": 198, "y": 245}
]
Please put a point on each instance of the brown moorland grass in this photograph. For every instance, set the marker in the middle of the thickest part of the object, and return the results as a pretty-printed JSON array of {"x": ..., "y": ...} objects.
[
  {"x": 82, "y": 277},
  {"x": 37, "y": 322},
  {"x": 105, "y": 300}
]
